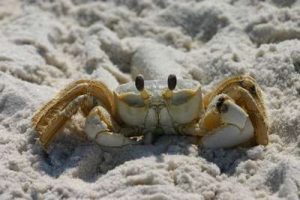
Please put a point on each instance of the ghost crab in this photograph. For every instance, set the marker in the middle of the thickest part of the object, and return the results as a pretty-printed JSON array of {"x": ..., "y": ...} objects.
[{"x": 232, "y": 114}]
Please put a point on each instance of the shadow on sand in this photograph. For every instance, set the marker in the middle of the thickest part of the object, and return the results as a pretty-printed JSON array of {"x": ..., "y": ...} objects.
[{"x": 88, "y": 161}]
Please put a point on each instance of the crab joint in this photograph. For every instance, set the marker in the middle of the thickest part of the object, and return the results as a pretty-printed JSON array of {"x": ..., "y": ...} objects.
[
  {"x": 211, "y": 119},
  {"x": 221, "y": 106}
]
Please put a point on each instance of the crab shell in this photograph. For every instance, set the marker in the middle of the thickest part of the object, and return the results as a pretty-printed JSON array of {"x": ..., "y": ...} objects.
[{"x": 157, "y": 107}]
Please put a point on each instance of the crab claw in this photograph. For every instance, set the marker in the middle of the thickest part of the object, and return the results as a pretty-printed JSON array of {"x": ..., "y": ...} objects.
[
  {"x": 227, "y": 123},
  {"x": 231, "y": 113}
]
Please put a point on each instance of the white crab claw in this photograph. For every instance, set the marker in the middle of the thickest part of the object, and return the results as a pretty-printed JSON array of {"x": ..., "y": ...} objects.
[
  {"x": 234, "y": 115},
  {"x": 228, "y": 136},
  {"x": 235, "y": 128}
]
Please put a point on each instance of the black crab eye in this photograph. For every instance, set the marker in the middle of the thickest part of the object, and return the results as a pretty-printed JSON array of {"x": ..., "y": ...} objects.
[
  {"x": 172, "y": 81},
  {"x": 139, "y": 82}
]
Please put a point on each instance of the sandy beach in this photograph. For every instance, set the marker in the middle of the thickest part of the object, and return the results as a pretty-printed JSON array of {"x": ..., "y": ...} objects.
[{"x": 44, "y": 45}]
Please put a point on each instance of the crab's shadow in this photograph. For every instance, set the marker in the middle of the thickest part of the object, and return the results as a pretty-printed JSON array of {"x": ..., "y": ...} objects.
[{"x": 86, "y": 160}]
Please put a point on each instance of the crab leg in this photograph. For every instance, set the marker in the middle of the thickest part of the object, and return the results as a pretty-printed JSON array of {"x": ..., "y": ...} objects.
[
  {"x": 52, "y": 116},
  {"x": 100, "y": 127}
]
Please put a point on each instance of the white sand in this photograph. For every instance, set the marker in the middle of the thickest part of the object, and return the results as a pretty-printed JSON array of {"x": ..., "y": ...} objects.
[{"x": 45, "y": 45}]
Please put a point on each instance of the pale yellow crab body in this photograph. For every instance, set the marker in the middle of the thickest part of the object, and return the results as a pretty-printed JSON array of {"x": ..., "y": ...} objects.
[
  {"x": 157, "y": 109},
  {"x": 232, "y": 114}
]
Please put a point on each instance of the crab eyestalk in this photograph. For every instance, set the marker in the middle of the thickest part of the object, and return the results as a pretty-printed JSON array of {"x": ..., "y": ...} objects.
[
  {"x": 172, "y": 82},
  {"x": 140, "y": 86}
]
